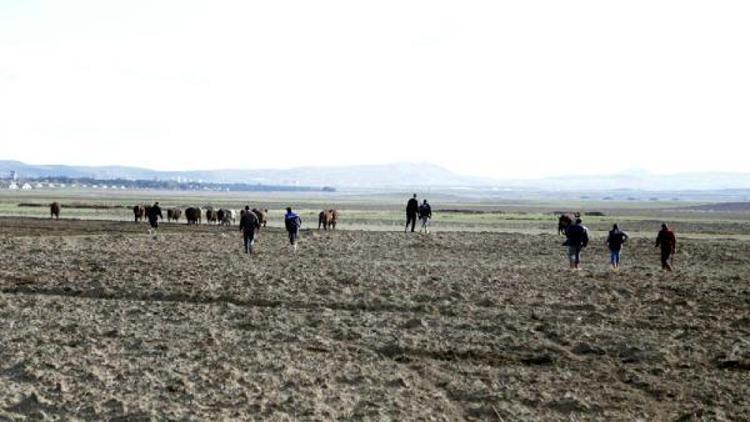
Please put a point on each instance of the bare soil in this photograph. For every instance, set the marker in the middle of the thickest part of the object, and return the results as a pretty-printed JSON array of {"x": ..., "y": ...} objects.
[{"x": 102, "y": 321}]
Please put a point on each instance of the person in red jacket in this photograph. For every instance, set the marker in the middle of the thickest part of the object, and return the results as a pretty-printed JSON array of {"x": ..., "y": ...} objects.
[{"x": 668, "y": 244}]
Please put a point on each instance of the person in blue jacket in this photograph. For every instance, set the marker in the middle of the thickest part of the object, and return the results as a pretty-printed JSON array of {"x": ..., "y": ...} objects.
[{"x": 292, "y": 222}]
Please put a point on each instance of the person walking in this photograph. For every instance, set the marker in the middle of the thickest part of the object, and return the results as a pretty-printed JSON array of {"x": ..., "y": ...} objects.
[
  {"x": 249, "y": 224},
  {"x": 615, "y": 240},
  {"x": 154, "y": 214},
  {"x": 425, "y": 214},
  {"x": 292, "y": 222},
  {"x": 577, "y": 238},
  {"x": 412, "y": 208},
  {"x": 668, "y": 244}
]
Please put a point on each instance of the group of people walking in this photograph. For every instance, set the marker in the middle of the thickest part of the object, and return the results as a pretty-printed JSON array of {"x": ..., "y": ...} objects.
[
  {"x": 577, "y": 238},
  {"x": 249, "y": 226},
  {"x": 576, "y": 234},
  {"x": 413, "y": 210}
]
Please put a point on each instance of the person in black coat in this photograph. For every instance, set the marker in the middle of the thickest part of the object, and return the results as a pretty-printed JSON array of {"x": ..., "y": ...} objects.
[
  {"x": 577, "y": 238},
  {"x": 412, "y": 208},
  {"x": 249, "y": 224},
  {"x": 154, "y": 214}
]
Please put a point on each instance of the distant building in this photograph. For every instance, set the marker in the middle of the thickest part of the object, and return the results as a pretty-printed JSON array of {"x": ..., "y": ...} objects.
[
  {"x": 13, "y": 186},
  {"x": 26, "y": 186}
]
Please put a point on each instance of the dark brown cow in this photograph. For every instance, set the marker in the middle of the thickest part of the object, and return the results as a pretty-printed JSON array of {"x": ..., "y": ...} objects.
[
  {"x": 139, "y": 211},
  {"x": 174, "y": 214},
  {"x": 193, "y": 215},
  {"x": 54, "y": 210},
  {"x": 211, "y": 215},
  {"x": 262, "y": 216},
  {"x": 327, "y": 219},
  {"x": 225, "y": 216}
]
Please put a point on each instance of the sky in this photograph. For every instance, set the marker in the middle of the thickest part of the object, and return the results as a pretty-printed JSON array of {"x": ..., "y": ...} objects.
[{"x": 487, "y": 88}]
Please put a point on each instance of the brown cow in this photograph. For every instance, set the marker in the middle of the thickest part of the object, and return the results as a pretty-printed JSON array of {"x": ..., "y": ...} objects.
[
  {"x": 174, "y": 214},
  {"x": 327, "y": 218},
  {"x": 211, "y": 215},
  {"x": 225, "y": 216},
  {"x": 139, "y": 211},
  {"x": 262, "y": 216},
  {"x": 193, "y": 215},
  {"x": 54, "y": 210}
]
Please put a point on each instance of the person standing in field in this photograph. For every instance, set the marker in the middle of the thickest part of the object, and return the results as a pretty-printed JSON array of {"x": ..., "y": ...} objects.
[
  {"x": 249, "y": 224},
  {"x": 577, "y": 238},
  {"x": 615, "y": 240},
  {"x": 412, "y": 208},
  {"x": 425, "y": 214},
  {"x": 668, "y": 244},
  {"x": 292, "y": 222},
  {"x": 154, "y": 214}
]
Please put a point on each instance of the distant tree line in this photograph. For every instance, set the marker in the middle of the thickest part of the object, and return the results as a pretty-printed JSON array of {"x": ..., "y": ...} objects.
[{"x": 174, "y": 185}]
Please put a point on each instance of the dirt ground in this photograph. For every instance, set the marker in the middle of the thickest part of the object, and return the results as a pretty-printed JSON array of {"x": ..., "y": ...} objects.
[{"x": 103, "y": 321}]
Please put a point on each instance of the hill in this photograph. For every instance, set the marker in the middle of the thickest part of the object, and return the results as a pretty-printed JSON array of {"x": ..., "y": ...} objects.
[{"x": 401, "y": 175}]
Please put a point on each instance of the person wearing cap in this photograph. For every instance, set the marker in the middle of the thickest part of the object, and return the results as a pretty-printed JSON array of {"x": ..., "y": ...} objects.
[
  {"x": 425, "y": 214},
  {"x": 412, "y": 208},
  {"x": 667, "y": 242},
  {"x": 615, "y": 240},
  {"x": 577, "y": 238}
]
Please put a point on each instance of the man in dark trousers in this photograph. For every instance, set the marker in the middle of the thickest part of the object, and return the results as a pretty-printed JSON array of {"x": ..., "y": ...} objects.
[
  {"x": 577, "y": 238},
  {"x": 292, "y": 222},
  {"x": 412, "y": 208},
  {"x": 668, "y": 244},
  {"x": 249, "y": 224},
  {"x": 154, "y": 214}
]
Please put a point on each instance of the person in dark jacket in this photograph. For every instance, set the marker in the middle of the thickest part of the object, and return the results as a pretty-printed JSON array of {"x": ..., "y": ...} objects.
[
  {"x": 249, "y": 224},
  {"x": 292, "y": 222},
  {"x": 425, "y": 214},
  {"x": 577, "y": 238},
  {"x": 154, "y": 214},
  {"x": 668, "y": 244},
  {"x": 615, "y": 240},
  {"x": 412, "y": 208}
]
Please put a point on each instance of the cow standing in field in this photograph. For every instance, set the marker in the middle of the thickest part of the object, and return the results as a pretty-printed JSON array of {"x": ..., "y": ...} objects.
[
  {"x": 54, "y": 210},
  {"x": 139, "y": 211},
  {"x": 225, "y": 217},
  {"x": 327, "y": 219},
  {"x": 262, "y": 216},
  {"x": 193, "y": 215},
  {"x": 211, "y": 215},
  {"x": 174, "y": 214}
]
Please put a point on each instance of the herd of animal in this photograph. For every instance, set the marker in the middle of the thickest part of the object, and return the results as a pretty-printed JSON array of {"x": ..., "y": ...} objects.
[
  {"x": 222, "y": 216},
  {"x": 195, "y": 215}
]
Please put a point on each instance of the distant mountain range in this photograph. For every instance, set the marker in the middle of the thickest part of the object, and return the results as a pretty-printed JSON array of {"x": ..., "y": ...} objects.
[
  {"x": 401, "y": 175},
  {"x": 367, "y": 176},
  {"x": 637, "y": 180}
]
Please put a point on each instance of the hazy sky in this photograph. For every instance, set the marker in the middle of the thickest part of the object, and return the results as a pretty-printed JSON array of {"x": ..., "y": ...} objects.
[{"x": 505, "y": 89}]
